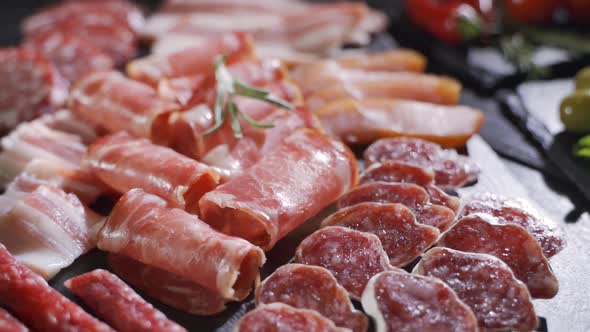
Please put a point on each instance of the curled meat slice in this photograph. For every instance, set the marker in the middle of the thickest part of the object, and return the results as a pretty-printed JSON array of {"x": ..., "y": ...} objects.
[
  {"x": 10, "y": 324},
  {"x": 141, "y": 224},
  {"x": 285, "y": 318},
  {"x": 124, "y": 163},
  {"x": 509, "y": 242},
  {"x": 486, "y": 285},
  {"x": 403, "y": 238},
  {"x": 314, "y": 288},
  {"x": 407, "y": 302},
  {"x": 353, "y": 257},
  {"x": 451, "y": 170},
  {"x": 65, "y": 121},
  {"x": 517, "y": 211},
  {"x": 119, "y": 305}
]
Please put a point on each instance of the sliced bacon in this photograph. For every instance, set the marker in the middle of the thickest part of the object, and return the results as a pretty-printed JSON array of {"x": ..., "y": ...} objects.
[
  {"x": 224, "y": 264},
  {"x": 10, "y": 324},
  {"x": 115, "y": 103},
  {"x": 124, "y": 163},
  {"x": 119, "y": 305},
  {"x": 363, "y": 122},
  {"x": 290, "y": 184},
  {"x": 47, "y": 229},
  {"x": 36, "y": 304},
  {"x": 311, "y": 287}
]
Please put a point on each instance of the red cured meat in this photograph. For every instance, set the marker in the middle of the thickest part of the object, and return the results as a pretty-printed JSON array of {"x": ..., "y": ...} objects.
[
  {"x": 180, "y": 89},
  {"x": 311, "y": 287},
  {"x": 290, "y": 184},
  {"x": 124, "y": 163},
  {"x": 407, "y": 302},
  {"x": 516, "y": 211},
  {"x": 486, "y": 285},
  {"x": 36, "y": 304},
  {"x": 407, "y": 194},
  {"x": 116, "y": 103},
  {"x": 119, "y": 305},
  {"x": 439, "y": 197},
  {"x": 224, "y": 264},
  {"x": 168, "y": 288},
  {"x": 511, "y": 243},
  {"x": 32, "y": 87},
  {"x": 352, "y": 257},
  {"x": 451, "y": 169},
  {"x": 284, "y": 318},
  {"x": 65, "y": 121},
  {"x": 9, "y": 323},
  {"x": 403, "y": 238}
]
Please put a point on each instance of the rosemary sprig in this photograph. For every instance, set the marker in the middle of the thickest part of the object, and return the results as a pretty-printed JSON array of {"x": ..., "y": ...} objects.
[{"x": 227, "y": 88}]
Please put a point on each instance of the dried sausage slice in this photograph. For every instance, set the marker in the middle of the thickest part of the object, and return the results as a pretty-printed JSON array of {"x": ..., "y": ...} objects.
[
  {"x": 311, "y": 287},
  {"x": 403, "y": 238},
  {"x": 509, "y": 242},
  {"x": 407, "y": 302},
  {"x": 486, "y": 285},
  {"x": 353, "y": 257}
]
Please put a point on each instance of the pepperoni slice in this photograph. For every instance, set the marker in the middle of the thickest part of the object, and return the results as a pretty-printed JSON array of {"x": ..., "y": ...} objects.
[
  {"x": 407, "y": 302},
  {"x": 451, "y": 169},
  {"x": 510, "y": 243},
  {"x": 32, "y": 87},
  {"x": 285, "y": 318},
  {"x": 353, "y": 257},
  {"x": 311, "y": 287},
  {"x": 486, "y": 285},
  {"x": 403, "y": 238},
  {"x": 516, "y": 211}
]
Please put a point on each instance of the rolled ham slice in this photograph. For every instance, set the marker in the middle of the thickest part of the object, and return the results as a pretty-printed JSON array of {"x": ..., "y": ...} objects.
[
  {"x": 141, "y": 225},
  {"x": 124, "y": 163},
  {"x": 290, "y": 184}
]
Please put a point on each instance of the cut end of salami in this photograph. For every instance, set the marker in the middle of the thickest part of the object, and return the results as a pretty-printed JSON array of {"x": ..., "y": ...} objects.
[{"x": 396, "y": 171}]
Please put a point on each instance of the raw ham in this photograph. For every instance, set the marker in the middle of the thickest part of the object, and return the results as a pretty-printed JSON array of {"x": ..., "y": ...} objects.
[
  {"x": 168, "y": 288},
  {"x": 393, "y": 60},
  {"x": 10, "y": 324},
  {"x": 365, "y": 121},
  {"x": 36, "y": 304},
  {"x": 115, "y": 103},
  {"x": 115, "y": 302},
  {"x": 509, "y": 242},
  {"x": 406, "y": 302},
  {"x": 311, "y": 287},
  {"x": 141, "y": 224},
  {"x": 191, "y": 61},
  {"x": 403, "y": 238},
  {"x": 290, "y": 184},
  {"x": 517, "y": 211},
  {"x": 353, "y": 257},
  {"x": 180, "y": 89},
  {"x": 47, "y": 229},
  {"x": 124, "y": 163},
  {"x": 65, "y": 121},
  {"x": 32, "y": 87},
  {"x": 486, "y": 285},
  {"x": 407, "y": 194},
  {"x": 285, "y": 318},
  {"x": 451, "y": 170}
]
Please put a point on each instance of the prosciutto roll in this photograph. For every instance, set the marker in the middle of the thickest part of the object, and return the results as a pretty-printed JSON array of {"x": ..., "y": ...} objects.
[
  {"x": 142, "y": 227},
  {"x": 292, "y": 183},
  {"x": 124, "y": 163}
]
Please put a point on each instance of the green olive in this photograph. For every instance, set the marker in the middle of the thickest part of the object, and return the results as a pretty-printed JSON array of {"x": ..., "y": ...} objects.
[
  {"x": 574, "y": 111},
  {"x": 583, "y": 79}
]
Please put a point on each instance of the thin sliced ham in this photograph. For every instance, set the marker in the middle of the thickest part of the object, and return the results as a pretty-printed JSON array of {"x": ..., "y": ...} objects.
[
  {"x": 290, "y": 184},
  {"x": 65, "y": 121},
  {"x": 141, "y": 225}
]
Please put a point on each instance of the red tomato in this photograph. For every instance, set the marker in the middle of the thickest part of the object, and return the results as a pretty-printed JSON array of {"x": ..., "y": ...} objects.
[
  {"x": 579, "y": 10},
  {"x": 531, "y": 11}
]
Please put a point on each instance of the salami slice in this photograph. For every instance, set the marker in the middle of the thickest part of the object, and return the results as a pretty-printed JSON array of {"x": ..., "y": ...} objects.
[
  {"x": 439, "y": 197},
  {"x": 10, "y": 324},
  {"x": 403, "y": 238},
  {"x": 516, "y": 211},
  {"x": 451, "y": 170},
  {"x": 509, "y": 242},
  {"x": 407, "y": 302},
  {"x": 119, "y": 305},
  {"x": 410, "y": 195},
  {"x": 353, "y": 257},
  {"x": 285, "y": 318},
  {"x": 32, "y": 87},
  {"x": 486, "y": 285},
  {"x": 39, "y": 306},
  {"x": 314, "y": 288}
]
